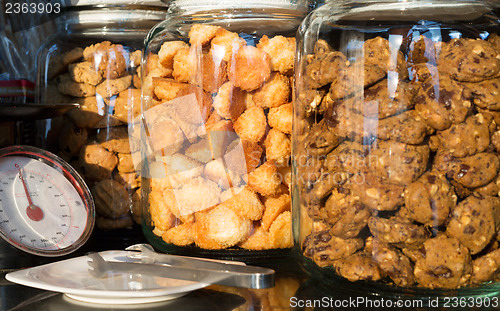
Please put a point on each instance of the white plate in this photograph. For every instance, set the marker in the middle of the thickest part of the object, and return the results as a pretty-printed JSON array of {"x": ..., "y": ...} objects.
[{"x": 72, "y": 278}]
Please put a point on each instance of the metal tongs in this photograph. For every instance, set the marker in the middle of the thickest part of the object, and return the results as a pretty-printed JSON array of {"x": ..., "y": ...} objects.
[{"x": 201, "y": 270}]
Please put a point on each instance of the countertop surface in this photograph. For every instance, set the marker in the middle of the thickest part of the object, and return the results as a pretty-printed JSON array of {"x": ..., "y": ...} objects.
[{"x": 293, "y": 289}]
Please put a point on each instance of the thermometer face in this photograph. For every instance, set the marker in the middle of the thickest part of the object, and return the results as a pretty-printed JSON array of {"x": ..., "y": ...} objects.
[{"x": 45, "y": 208}]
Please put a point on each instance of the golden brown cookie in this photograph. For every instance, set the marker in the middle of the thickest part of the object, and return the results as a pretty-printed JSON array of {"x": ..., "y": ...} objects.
[
  {"x": 324, "y": 248},
  {"x": 379, "y": 52},
  {"x": 111, "y": 87},
  {"x": 127, "y": 106},
  {"x": 395, "y": 232},
  {"x": 486, "y": 94},
  {"x": 114, "y": 139},
  {"x": 467, "y": 138},
  {"x": 393, "y": 263},
  {"x": 280, "y": 118},
  {"x": 59, "y": 63},
  {"x": 348, "y": 79},
  {"x": 222, "y": 226},
  {"x": 274, "y": 93},
  {"x": 109, "y": 59},
  {"x": 278, "y": 147},
  {"x": 67, "y": 86},
  {"x": 407, "y": 127},
  {"x": 382, "y": 102},
  {"x": 249, "y": 68},
  {"x": 91, "y": 111},
  {"x": 251, "y": 125},
  {"x": 282, "y": 52},
  {"x": 358, "y": 266},
  {"x": 485, "y": 267},
  {"x": 375, "y": 193},
  {"x": 84, "y": 72},
  {"x": 473, "y": 222},
  {"x": 473, "y": 171},
  {"x": 446, "y": 264},
  {"x": 346, "y": 215},
  {"x": 323, "y": 69},
  {"x": 229, "y": 102},
  {"x": 430, "y": 199},
  {"x": 72, "y": 139},
  {"x": 111, "y": 199},
  {"x": 470, "y": 60},
  {"x": 96, "y": 162},
  {"x": 399, "y": 163},
  {"x": 442, "y": 106}
]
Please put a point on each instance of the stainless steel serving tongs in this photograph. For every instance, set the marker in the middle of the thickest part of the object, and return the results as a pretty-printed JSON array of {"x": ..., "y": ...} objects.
[{"x": 201, "y": 270}]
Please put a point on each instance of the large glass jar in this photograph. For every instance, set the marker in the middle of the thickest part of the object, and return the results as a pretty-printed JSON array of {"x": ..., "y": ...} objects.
[
  {"x": 217, "y": 119},
  {"x": 94, "y": 60},
  {"x": 396, "y": 145}
]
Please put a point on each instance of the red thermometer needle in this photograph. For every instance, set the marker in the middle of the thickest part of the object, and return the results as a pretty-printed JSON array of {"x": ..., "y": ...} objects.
[{"x": 34, "y": 212}]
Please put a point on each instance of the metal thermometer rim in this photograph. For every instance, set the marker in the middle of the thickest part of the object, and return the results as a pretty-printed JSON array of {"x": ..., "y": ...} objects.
[{"x": 35, "y": 213}]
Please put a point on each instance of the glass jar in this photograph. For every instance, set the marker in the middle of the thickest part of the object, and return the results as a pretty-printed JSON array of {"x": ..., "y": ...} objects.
[
  {"x": 94, "y": 60},
  {"x": 217, "y": 112},
  {"x": 395, "y": 146}
]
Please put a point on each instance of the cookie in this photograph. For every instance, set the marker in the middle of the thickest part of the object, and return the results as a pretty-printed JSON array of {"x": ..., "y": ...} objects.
[
  {"x": 346, "y": 215},
  {"x": 109, "y": 59},
  {"x": 59, "y": 63},
  {"x": 111, "y": 199},
  {"x": 348, "y": 79},
  {"x": 110, "y": 87},
  {"x": 469, "y": 60},
  {"x": 351, "y": 125},
  {"x": 485, "y": 267},
  {"x": 446, "y": 264},
  {"x": 473, "y": 171},
  {"x": 379, "y": 52},
  {"x": 486, "y": 94},
  {"x": 395, "y": 232},
  {"x": 125, "y": 163},
  {"x": 130, "y": 180},
  {"x": 282, "y": 52},
  {"x": 442, "y": 107},
  {"x": 96, "y": 162},
  {"x": 393, "y": 263},
  {"x": 67, "y": 86},
  {"x": 84, "y": 72},
  {"x": 358, "y": 266},
  {"x": 127, "y": 105},
  {"x": 399, "y": 163},
  {"x": 382, "y": 102},
  {"x": 430, "y": 199},
  {"x": 467, "y": 138},
  {"x": 324, "y": 248},
  {"x": 114, "y": 139},
  {"x": 322, "y": 70},
  {"x": 473, "y": 222},
  {"x": 72, "y": 138},
  {"x": 89, "y": 113},
  {"x": 375, "y": 193},
  {"x": 407, "y": 127}
]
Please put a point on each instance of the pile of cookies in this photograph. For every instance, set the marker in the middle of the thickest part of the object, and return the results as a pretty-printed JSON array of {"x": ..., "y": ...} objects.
[
  {"x": 398, "y": 161},
  {"x": 103, "y": 79},
  {"x": 218, "y": 119}
]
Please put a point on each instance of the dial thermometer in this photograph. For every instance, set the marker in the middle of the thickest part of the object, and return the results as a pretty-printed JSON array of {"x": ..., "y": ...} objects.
[{"x": 45, "y": 206}]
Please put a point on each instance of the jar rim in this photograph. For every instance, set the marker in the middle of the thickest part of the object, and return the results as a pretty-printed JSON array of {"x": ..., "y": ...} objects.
[
  {"x": 94, "y": 3},
  {"x": 225, "y": 4}
]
